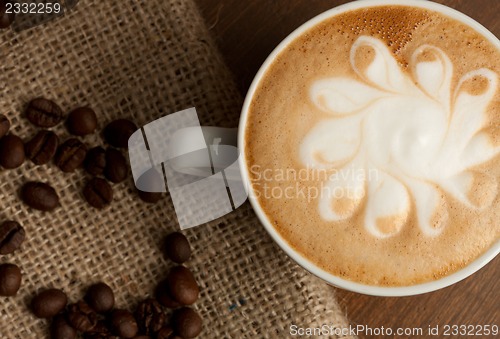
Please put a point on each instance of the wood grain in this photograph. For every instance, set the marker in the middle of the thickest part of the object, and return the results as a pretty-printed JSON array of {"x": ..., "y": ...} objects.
[{"x": 246, "y": 32}]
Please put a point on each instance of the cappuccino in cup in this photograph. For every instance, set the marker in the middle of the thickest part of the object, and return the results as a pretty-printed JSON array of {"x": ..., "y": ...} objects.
[{"x": 372, "y": 144}]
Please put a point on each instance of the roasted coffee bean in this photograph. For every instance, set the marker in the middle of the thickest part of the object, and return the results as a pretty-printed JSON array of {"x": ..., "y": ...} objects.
[
  {"x": 177, "y": 247},
  {"x": 82, "y": 121},
  {"x": 124, "y": 323},
  {"x": 49, "y": 303},
  {"x": 100, "y": 297},
  {"x": 6, "y": 19},
  {"x": 182, "y": 285},
  {"x": 42, "y": 147},
  {"x": 11, "y": 151},
  {"x": 40, "y": 196},
  {"x": 98, "y": 193},
  {"x": 100, "y": 331},
  {"x": 116, "y": 166},
  {"x": 162, "y": 294},
  {"x": 82, "y": 317},
  {"x": 143, "y": 337},
  {"x": 150, "y": 316},
  {"x": 95, "y": 162},
  {"x": 11, "y": 236},
  {"x": 44, "y": 113},
  {"x": 150, "y": 186},
  {"x": 92, "y": 335},
  {"x": 4, "y": 123},
  {"x": 187, "y": 323},
  {"x": 71, "y": 155},
  {"x": 61, "y": 329},
  {"x": 10, "y": 280},
  {"x": 101, "y": 327},
  {"x": 166, "y": 332},
  {"x": 118, "y": 132}
]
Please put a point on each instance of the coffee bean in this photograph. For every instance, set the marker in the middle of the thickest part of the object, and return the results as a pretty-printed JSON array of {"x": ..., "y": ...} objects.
[
  {"x": 101, "y": 327},
  {"x": 100, "y": 297},
  {"x": 10, "y": 280},
  {"x": 150, "y": 316},
  {"x": 82, "y": 317},
  {"x": 49, "y": 303},
  {"x": 40, "y": 196},
  {"x": 4, "y": 124},
  {"x": 118, "y": 132},
  {"x": 11, "y": 236},
  {"x": 187, "y": 323},
  {"x": 182, "y": 285},
  {"x": 162, "y": 294},
  {"x": 98, "y": 193},
  {"x": 100, "y": 331},
  {"x": 150, "y": 186},
  {"x": 61, "y": 329},
  {"x": 6, "y": 19},
  {"x": 124, "y": 323},
  {"x": 166, "y": 332},
  {"x": 177, "y": 247},
  {"x": 11, "y": 151},
  {"x": 42, "y": 147},
  {"x": 71, "y": 155},
  {"x": 95, "y": 162},
  {"x": 44, "y": 113},
  {"x": 92, "y": 335},
  {"x": 82, "y": 121},
  {"x": 116, "y": 166},
  {"x": 144, "y": 337}
]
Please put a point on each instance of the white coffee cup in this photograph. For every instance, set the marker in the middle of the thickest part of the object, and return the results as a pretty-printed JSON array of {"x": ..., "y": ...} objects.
[{"x": 184, "y": 137}]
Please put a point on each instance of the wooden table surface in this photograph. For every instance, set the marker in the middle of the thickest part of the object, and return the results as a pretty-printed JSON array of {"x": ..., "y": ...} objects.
[{"x": 246, "y": 32}]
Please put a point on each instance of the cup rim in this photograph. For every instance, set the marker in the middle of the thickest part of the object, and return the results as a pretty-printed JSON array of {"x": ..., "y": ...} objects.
[{"x": 389, "y": 291}]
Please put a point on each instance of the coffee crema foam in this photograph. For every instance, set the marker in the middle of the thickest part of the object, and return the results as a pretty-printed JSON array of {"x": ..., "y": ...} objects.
[{"x": 393, "y": 113}]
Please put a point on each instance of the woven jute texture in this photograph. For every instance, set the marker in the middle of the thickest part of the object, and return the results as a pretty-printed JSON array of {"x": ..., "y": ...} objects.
[{"x": 140, "y": 60}]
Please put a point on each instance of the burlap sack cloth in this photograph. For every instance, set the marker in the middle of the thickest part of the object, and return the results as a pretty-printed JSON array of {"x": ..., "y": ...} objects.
[{"x": 140, "y": 60}]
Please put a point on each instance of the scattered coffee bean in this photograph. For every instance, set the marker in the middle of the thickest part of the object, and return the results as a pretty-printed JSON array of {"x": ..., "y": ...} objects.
[
  {"x": 100, "y": 297},
  {"x": 82, "y": 317},
  {"x": 187, "y": 323},
  {"x": 177, "y": 247},
  {"x": 11, "y": 236},
  {"x": 118, "y": 132},
  {"x": 150, "y": 316},
  {"x": 166, "y": 332},
  {"x": 10, "y": 280},
  {"x": 4, "y": 123},
  {"x": 95, "y": 162},
  {"x": 49, "y": 303},
  {"x": 40, "y": 196},
  {"x": 44, "y": 113},
  {"x": 11, "y": 151},
  {"x": 100, "y": 331},
  {"x": 92, "y": 335},
  {"x": 71, "y": 155},
  {"x": 162, "y": 294},
  {"x": 42, "y": 147},
  {"x": 6, "y": 19},
  {"x": 116, "y": 166},
  {"x": 61, "y": 329},
  {"x": 182, "y": 285},
  {"x": 150, "y": 186},
  {"x": 124, "y": 323},
  {"x": 144, "y": 337},
  {"x": 82, "y": 121},
  {"x": 98, "y": 193}
]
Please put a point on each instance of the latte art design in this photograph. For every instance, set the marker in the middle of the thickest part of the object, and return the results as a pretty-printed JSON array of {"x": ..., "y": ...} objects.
[{"x": 421, "y": 135}]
